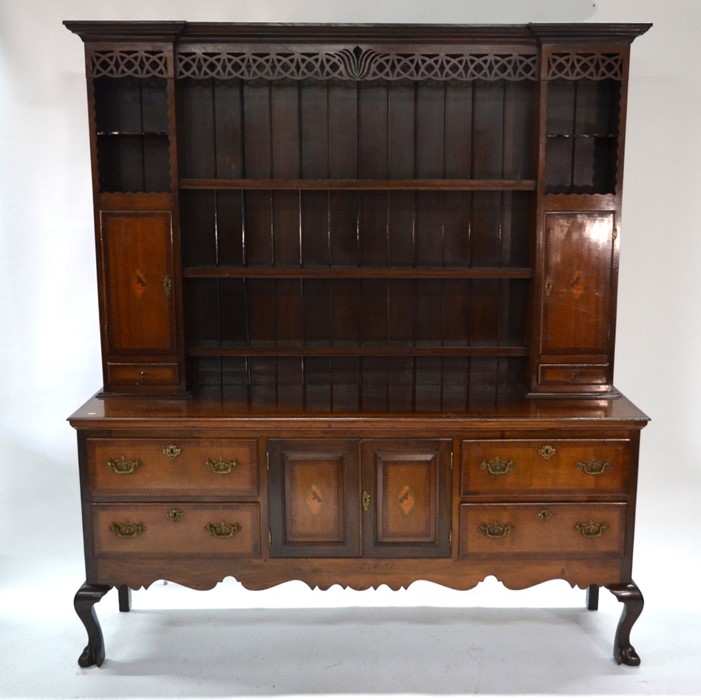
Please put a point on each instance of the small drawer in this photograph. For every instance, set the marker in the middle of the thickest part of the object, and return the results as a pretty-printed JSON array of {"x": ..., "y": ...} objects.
[
  {"x": 181, "y": 529},
  {"x": 166, "y": 469},
  {"x": 508, "y": 530},
  {"x": 576, "y": 375},
  {"x": 127, "y": 373},
  {"x": 518, "y": 467}
]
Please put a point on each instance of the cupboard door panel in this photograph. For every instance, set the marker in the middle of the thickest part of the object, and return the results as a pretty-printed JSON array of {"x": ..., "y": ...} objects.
[
  {"x": 406, "y": 498},
  {"x": 579, "y": 250},
  {"x": 138, "y": 282},
  {"x": 314, "y": 500}
]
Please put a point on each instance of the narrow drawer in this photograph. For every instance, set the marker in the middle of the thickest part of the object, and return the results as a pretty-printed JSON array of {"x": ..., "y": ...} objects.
[
  {"x": 182, "y": 529},
  {"x": 128, "y": 373},
  {"x": 518, "y": 467},
  {"x": 574, "y": 374},
  {"x": 162, "y": 468},
  {"x": 557, "y": 529}
]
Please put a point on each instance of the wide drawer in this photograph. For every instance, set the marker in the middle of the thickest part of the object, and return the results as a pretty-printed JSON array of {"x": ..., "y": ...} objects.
[
  {"x": 163, "y": 468},
  {"x": 183, "y": 529},
  {"x": 557, "y": 529},
  {"x": 517, "y": 467}
]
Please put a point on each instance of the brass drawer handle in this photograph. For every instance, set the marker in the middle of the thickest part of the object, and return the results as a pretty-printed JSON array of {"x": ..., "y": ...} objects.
[
  {"x": 171, "y": 451},
  {"x": 591, "y": 529},
  {"x": 496, "y": 530},
  {"x": 547, "y": 451},
  {"x": 222, "y": 466},
  {"x": 176, "y": 515},
  {"x": 122, "y": 465},
  {"x": 127, "y": 529},
  {"x": 223, "y": 529},
  {"x": 594, "y": 466},
  {"x": 497, "y": 467}
]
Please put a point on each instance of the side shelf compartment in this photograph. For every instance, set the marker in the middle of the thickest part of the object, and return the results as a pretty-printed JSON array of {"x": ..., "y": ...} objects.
[{"x": 139, "y": 306}]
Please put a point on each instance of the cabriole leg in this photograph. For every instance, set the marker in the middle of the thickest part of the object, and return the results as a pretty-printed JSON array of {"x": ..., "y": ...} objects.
[
  {"x": 631, "y": 597},
  {"x": 84, "y": 602}
]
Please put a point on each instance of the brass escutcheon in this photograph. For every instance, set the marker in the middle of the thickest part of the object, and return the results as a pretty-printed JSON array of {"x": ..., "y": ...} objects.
[
  {"x": 167, "y": 285},
  {"x": 497, "y": 467},
  {"x": 223, "y": 529},
  {"x": 547, "y": 451},
  {"x": 496, "y": 530},
  {"x": 122, "y": 465},
  {"x": 171, "y": 451},
  {"x": 591, "y": 529},
  {"x": 176, "y": 515},
  {"x": 594, "y": 466},
  {"x": 544, "y": 516},
  {"x": 127, "y": 529},
  {"x": 221, "y": 466},
  {"x": 548, "y": 286},
  {"x": 366, "y": 501}
]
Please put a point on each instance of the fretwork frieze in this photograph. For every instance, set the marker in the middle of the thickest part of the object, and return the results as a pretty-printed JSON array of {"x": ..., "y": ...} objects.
[
  {"x": 590, "y": 66},
  {"x": 355, "y": 64},
  {"x": 125, "y": 63}
]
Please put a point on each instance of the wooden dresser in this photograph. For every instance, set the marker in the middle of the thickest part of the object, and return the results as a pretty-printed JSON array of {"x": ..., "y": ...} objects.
[{"x": 357, "y": 295}]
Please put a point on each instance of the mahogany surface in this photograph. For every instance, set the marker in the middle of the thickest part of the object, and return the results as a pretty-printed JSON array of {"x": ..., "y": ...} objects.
[{"x": 357, "y": 293}]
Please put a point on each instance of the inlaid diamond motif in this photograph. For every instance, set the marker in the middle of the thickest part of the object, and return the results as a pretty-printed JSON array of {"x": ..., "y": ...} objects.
[
  {"x": 138, "y": 283},
  {"x": 406, "y": 499},
  {"x": 314, "y": 499}
]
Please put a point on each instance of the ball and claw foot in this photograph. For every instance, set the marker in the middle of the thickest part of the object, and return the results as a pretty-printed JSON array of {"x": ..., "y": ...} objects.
[
  {"x": 84, "y": 602},
  {"x": 626, "y": 656},
  {"x": 93, "y": 655},
  {"x": 631, "y": 597}
]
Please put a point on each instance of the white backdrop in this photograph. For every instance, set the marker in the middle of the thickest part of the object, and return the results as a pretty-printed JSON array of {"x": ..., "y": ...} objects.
[{"x": 49, "y": 337}]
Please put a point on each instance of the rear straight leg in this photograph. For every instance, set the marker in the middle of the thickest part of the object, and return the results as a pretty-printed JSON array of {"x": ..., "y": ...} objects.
[
  {"x": 124, "y": 593},
  {"x": 593, "y": 597}
]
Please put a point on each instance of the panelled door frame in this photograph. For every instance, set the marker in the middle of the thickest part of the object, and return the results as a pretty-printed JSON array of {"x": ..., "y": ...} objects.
[{"x": 409, "y": 489}]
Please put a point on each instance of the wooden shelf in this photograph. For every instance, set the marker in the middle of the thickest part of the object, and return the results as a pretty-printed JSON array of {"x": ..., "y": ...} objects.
[
  {"x": 225, "y": 272},
  {"x": 160, "y": 134},
  {"x": 582, "y": 136},
  {"x": 356, "y": 351},
  {"x": 353, "y": 184}
]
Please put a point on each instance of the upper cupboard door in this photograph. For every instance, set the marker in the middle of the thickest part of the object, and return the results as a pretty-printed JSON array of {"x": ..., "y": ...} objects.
[
  {"x": 579, "y": 258},
  {"x": 138, "y": 282}
]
